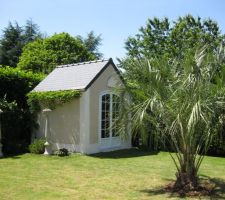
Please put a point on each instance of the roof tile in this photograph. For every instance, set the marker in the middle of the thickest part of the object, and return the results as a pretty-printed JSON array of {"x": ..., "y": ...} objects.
[{"x": 72, "y": 76}]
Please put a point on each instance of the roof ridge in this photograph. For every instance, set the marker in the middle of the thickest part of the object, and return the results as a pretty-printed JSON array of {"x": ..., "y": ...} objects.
[{"x": 83, "y": 63}]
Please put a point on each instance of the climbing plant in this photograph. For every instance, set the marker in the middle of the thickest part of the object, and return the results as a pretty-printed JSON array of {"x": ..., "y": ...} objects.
[{"x": 50, "y": 99}]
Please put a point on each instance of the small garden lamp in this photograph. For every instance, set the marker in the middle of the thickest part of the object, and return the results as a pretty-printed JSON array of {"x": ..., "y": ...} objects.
[
  {"x": 1, "y": 154},
  {"x": 46, "y": 112}
]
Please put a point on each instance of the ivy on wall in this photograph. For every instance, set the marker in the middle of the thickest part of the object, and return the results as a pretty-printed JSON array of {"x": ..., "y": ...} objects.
[{"x": 50, "y": 99}]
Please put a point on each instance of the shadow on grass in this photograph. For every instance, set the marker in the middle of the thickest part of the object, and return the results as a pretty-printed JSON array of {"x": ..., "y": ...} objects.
[
  {"x": 14, "y": 156},
  {"x": 156, "y": 191},
  {"x": 218, "y": 193},
  {"x": 125, "y": 153},
  {"x": 159, "y": 190}
]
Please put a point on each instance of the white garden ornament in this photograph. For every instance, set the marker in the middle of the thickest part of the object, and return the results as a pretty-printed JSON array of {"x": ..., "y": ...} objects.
[{"x": 48, "y": 150}]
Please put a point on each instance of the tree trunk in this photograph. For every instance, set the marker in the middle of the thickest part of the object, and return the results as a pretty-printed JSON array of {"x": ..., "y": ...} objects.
[
  {"x": 186, "y": 181},
  {"x": 187, "y": 178}
]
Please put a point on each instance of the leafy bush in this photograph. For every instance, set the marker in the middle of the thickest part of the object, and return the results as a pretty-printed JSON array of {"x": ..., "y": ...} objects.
[
  {"x": 14, "y": 140},
  {"x": 17, "y": 121},
  {"x": 15, "y": 84},
  {"x": 37, "y": 147},
  {"x": 62, "y": 152}
]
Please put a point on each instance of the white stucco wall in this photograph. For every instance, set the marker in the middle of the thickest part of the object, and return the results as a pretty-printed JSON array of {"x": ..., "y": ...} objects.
[
  {"x": 105, "y": 82},
  {"x": 64, "y": 126}
]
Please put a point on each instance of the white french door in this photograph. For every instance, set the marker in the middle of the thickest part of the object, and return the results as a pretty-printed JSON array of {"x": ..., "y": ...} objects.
[{"x": 109, "y": 112}]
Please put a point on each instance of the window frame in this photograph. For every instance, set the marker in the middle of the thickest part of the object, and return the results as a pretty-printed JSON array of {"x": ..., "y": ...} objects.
[{"x": 110, "y": 93}]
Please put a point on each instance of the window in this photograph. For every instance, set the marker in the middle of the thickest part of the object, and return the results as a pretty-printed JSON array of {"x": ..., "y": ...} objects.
[
  {"x": 109, "y": 114},
  {"x": 115, "y": 114},
  {"x": 105, "y": 121}
]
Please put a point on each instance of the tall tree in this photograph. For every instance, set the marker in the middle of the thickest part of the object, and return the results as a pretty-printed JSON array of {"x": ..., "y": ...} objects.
[
  {"x": 92, "y": 43},
  {"x": 11, "y": 45},
  {"x": 177, "y": 88},
  {"x": 193, "y": 33},
  {"x": 31, "y": 31},
  {"x": 181, "y": 104},
  {"x": 45, "y": 54},
  {"x": 151, "y": 40},
  {"x": 160, "y": 37},
  {"x": 13, "y": 40}
]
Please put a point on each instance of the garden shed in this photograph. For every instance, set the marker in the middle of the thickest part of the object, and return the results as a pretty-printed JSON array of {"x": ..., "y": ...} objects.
[{"x": 85, "y": 124}]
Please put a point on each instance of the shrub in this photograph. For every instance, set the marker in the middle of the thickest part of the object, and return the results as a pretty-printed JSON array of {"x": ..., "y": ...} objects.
[
  {"x": 15, "y": 84},
  {"x": 17, "y": 122},
  {"x": 37, "y": 147},
  {"x": 62, "y": 152}
]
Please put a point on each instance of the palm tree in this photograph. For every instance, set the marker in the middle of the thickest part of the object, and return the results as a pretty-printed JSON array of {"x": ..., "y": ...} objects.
[{"x": 181, "y": 99}]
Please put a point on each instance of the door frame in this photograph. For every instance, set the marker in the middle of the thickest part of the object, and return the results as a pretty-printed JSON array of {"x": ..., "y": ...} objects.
[{"x": 110, "y": 142}]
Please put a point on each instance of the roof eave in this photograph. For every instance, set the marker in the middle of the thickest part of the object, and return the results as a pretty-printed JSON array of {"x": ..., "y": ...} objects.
[{"x": 110, "y": 61}]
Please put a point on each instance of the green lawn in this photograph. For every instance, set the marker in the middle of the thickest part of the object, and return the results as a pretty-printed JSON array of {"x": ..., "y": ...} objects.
[{"x": 127, "y": 174}]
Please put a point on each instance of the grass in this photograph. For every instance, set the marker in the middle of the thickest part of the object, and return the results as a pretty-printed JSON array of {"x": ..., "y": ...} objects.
[{"x": 126, "y": 174}]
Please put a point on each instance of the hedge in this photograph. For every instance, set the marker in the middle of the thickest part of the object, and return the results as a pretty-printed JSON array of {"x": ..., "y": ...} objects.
[{"x": 17, "y": 120}]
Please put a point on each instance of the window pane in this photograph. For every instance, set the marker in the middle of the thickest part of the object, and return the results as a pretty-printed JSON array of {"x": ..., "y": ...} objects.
[
  {"x": 103, "y": 98},
  {"x": 107, "y": 98},
  {"x": 105, "y": 116},
  {"x": 115, "y": 114},
  {"x": 103, "y": 125},
  {"x": 107, "y": 106},
  {"x": 115, "y": 98},
  {"x": 103, "y": 105},
  {"x": 107, "y": 133},
  {"x": 107, "y": 124},
  {"x": 103, "y": 133},
  {"x": 115, "y": 132},
  {"x": 108, "y": 115}
]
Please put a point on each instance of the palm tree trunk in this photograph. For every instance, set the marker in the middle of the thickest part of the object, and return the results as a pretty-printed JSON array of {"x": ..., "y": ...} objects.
[{"x": 187, "y": 177}]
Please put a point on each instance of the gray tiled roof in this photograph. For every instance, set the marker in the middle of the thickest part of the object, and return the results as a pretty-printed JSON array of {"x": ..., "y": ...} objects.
[{"x": 73, "y": 76}]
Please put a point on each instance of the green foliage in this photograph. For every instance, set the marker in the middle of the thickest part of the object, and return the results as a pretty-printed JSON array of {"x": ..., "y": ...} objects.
[
  {"x": 11, "y": 45},
  {"x": 17, "y": 121},
  {"x": 13, "y": 40},
  {"x": 62, "y": 152},
  {"x": 181, "y": 104},
  {"x": 15, "y": 130},
  {"x": 160, "y": 37},
  {"x": 50, "y": 99},
  {"x": 31, "y": 31},
  {"x": 151, "y": 40},
  {"x": 5, "y": 106},
  {"x": 217, "y": 147},
  {"x": 170, "y": 41},
  {"x": 193, "y": 33},
  {"x": 44, "y": 55},
  {"x": 92, "y": 43},
  {"x": 37, "y": 147},
  {"x": 15, "y": 84}
]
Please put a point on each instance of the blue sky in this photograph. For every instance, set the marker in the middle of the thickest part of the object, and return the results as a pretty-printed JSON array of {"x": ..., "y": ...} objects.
[{"x": 115, "y": 20}]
